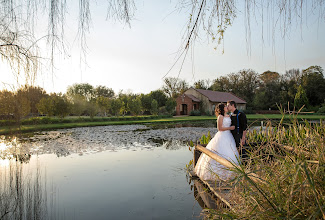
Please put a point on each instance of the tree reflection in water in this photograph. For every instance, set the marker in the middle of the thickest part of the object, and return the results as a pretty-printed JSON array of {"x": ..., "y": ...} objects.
[{"x": 21, "y": 196}]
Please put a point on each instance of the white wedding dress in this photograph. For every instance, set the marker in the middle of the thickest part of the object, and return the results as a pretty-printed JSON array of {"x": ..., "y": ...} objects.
[{"x": 223, "y": 144}]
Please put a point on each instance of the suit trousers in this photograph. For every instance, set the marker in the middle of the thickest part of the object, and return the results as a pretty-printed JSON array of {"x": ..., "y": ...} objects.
[{"x": 241, "y": 149}]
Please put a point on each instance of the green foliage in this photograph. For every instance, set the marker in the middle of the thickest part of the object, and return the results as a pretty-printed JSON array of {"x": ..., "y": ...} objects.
[
  {"x": 322, "y": 109},
  {"x": 170, "y": 105},
  {"x": 301, "y": 98},
  {"x": 103, "y": 104},
  {"x": 313, "y": 82},
  {"x": 173, "y": 87},
  {"x": 195, "y": 113},
  {"x": 22, "y": 106},
  {"x": 154, "y": 107},
  {"x": 46, "y": 106},
  {"x": 146, "y": 101},
  {"x": 116, "y": 106},
  {"x": 91, "y": 109},
  {"x": 81, "y": 91},
  {"x": 103, "y": 91},
  {"x": 205, "y": 139},
  {"x": 78, "y": 105},
  {"x": 135, "y": 106},
  {"x": 7, "y": 103},
  {"x": 54, "y": 105},
  {"x": 159, "y": 96}
]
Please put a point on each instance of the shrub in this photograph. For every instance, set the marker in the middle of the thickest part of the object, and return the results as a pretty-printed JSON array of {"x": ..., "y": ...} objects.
[
  {"x": 195, "y": 113},
  {"x": 321, "y": 109}
]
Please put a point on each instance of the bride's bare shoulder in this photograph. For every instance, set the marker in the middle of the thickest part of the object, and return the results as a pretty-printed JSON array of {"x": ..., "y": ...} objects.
[{"x": 220, "y": 116}]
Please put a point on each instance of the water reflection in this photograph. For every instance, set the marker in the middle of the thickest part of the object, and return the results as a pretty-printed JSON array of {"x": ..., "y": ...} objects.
[
  {"x": 111, "y": 172},
  {"x": 22, "y": 195},
  {"x": 83, "y": 141}
]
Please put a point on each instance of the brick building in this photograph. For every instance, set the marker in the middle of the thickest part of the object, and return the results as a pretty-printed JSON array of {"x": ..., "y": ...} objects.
[{"x": 204, "y": 100}]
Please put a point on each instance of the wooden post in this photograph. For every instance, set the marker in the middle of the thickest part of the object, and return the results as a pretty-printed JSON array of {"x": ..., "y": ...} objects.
[
  {"x": 196, "y": 155},
  {"x": 226, "y": 163}
]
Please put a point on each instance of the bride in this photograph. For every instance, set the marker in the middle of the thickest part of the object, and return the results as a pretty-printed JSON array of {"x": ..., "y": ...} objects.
[{"x": 223, "y": 144}]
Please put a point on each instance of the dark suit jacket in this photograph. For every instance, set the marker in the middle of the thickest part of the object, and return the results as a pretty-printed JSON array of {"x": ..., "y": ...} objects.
[{"x": 242, "y": 122}]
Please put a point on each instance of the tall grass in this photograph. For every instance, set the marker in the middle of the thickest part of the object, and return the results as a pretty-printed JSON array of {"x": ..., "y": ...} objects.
[{"x": 290, "y": 158}]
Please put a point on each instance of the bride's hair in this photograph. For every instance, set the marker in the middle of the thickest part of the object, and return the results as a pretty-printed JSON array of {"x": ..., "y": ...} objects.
[{"x": 220, "y": 109}]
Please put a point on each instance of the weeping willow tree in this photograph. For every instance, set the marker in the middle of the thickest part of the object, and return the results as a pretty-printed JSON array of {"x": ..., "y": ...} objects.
[{"x": 20, "y": 42}]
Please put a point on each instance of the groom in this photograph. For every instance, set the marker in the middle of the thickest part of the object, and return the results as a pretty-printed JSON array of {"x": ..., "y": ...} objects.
[{"x": 239, "y": 120}]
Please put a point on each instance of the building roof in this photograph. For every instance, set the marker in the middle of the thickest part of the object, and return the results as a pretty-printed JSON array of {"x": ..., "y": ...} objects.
[
  {"x": 215, "y": 96},
  {"x": 194, "y": 99}
]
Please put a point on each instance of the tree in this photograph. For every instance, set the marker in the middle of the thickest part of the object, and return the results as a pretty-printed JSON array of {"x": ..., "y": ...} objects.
[
  {"x": 202, "y": 84},
  {"x": 221, "y": 84},
  {"x": 7, "y": 103},
  {"x": 103, "y": 104},
  {"x": 134, "y": 105},
  {"x": 46, "y": 106},
  {"x": 22, "y": 106},
  {"x": 82, "y": 90},
  {"x": 247, "y": 84},
  {"x": 146, "y": 101},
  {"x": 173, "y": 87},
  {"x": 54, "y": 105},
  {"x": 269, "y": 89},
  {"x": 116, "y": 106},
  {"x": 313, "y": 82},
  {"x": 301, "y": 98},
  {"x": 159, "y": 96},
  {"x": 154, "y": 107},
  {"x": 243, "y": 84},
  {"x": 34, "y": 95},
  {"x": 269, "y": 77},
  {"x": 103, "y": 91},
  {"x": 170, "y": 105},
  {"x": 91, "y": 108},
  {"x": 78, "y": 105}
]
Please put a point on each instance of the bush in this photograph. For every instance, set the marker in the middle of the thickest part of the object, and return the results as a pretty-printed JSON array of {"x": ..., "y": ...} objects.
[
  {"x": 208, "y": 113},
  {"x": 321, "y": 109},
  {"x": 249, "y": 111},
  {"x": 195, "y": 113}
]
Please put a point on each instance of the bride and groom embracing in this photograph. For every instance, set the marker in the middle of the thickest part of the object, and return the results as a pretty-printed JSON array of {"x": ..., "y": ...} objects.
[{"x": 226, "y": 143}]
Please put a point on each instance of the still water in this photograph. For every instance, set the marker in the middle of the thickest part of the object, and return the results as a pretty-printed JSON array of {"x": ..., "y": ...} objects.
[{"x": 111, "y": 172}]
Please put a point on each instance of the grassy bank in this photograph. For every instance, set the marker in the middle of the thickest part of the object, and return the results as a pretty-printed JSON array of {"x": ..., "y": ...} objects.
[{"x": 47, "y": 123}]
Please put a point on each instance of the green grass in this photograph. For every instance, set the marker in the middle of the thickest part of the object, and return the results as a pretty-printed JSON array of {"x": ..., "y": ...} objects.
[{"x": 42, "y": 124}]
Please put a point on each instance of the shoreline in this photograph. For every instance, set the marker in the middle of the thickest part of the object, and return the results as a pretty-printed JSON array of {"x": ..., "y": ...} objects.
[{"x": 252, "y": 118}]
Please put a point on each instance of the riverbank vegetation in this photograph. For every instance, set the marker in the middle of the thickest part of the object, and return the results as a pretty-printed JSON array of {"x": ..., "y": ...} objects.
[
  {"x": 290, "y": 161},
  {"x": 52, "y": 123},
  {"x": 265, "y": 91}
]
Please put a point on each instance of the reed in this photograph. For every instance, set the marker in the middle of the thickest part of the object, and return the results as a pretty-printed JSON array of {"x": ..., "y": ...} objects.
[{"x": 290, "y": 159}]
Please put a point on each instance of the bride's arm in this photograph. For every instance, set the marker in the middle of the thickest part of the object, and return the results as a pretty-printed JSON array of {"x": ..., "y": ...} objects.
[{"x": 220, "y": 127}]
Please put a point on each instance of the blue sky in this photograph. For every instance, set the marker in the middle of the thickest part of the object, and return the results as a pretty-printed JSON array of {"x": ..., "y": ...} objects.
[{"x": 135, "y": 59}]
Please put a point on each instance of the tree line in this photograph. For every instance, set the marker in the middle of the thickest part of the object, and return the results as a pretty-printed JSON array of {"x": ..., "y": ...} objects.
[
  {"x": 263, "y": 91},
  {"x": 82, "y": 99},
  {"x": 268, "y": 90}
]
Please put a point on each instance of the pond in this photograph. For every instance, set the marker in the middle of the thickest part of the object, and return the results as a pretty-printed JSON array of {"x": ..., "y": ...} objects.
[{"x": 108, "y": 172}]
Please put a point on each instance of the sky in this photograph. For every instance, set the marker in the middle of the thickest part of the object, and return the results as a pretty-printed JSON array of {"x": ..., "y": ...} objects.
[{"x": 135, "y": 59}]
